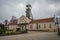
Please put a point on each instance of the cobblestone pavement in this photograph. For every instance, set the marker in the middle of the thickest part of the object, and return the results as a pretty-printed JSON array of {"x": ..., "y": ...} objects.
[{"x": 33, "y": 36}]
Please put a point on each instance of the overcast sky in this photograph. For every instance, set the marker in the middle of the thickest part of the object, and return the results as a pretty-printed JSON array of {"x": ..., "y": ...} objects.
[{"x": 40, "y": 8}]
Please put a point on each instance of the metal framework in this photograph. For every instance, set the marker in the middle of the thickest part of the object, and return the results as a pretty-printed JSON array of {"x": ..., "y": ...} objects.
[{"x": 28, "y": 12}]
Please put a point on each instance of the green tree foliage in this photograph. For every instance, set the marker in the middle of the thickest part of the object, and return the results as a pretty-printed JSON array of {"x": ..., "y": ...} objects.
[{"x": 2, "y": 28}]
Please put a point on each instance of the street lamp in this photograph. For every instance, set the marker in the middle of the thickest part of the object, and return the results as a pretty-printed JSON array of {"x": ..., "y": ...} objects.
[{"x": 57, "y": 23}]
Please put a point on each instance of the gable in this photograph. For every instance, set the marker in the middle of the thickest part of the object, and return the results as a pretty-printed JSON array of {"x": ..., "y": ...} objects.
[{"x": 23, "y": 19}]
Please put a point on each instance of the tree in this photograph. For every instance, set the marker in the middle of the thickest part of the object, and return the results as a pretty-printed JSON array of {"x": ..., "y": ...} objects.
[{"x": 2, "y": 28}]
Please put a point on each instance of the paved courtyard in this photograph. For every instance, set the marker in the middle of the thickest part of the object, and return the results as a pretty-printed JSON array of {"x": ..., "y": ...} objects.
[{"x": 33, "y": 36}]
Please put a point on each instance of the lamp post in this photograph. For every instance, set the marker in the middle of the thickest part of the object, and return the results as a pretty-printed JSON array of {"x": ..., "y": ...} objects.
[{"x": 57, "y": 23}]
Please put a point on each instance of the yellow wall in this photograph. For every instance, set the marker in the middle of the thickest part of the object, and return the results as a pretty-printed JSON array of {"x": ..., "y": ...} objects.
[
  {"x": 13, "y": 27},
  {"x": 53, "y": 27}
]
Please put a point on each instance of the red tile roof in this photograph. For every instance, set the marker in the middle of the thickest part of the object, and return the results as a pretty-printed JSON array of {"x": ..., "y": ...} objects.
[
  {"x": 36, "y": 21},
  {"x": 43, "y": 20}
]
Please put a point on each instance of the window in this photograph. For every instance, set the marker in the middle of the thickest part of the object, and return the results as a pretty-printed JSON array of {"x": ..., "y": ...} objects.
[
  {"x": 49, "y": 25},
  {"x": 39, "y": 26},
  {"x": 30, "y": 26},
  {"x": 44, "y": 26}
]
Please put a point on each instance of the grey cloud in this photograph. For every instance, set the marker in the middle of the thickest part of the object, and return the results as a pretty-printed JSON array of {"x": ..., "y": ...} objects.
[
  {"x": 40, "y": 8},
  {"x": 58, "y": 13},
  {"x": 53, "y": 1}
]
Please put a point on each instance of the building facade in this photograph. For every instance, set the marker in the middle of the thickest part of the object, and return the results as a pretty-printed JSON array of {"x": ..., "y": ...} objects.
[
  {"x": 46, "y": 24},
  {"x": 12, "y": 26},
  {"x": 19, "y": 25},
  {"x": 23, "y": 22}
]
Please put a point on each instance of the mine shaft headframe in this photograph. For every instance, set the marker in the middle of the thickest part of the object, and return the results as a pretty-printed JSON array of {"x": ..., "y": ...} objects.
[
  {"x": 28, "y": 5},
  {"x": 29, "y": 11}
]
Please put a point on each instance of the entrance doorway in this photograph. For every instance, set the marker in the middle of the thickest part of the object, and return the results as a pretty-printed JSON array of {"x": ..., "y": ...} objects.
[{"x": 18, "y": 30}]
